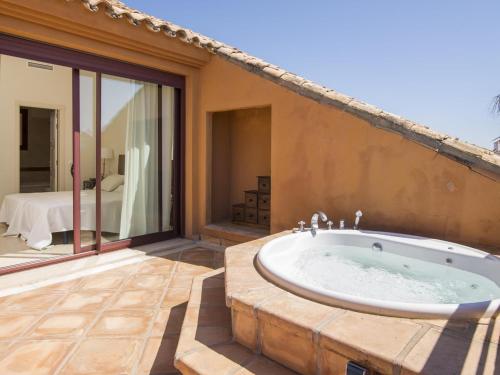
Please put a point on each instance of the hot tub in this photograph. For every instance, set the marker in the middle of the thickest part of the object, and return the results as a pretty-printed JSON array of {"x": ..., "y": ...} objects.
[{"x": 385, "y": 273}]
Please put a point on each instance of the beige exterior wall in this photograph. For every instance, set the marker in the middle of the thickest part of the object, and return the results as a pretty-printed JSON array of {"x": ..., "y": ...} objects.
[{"x": 323, "y": 158}]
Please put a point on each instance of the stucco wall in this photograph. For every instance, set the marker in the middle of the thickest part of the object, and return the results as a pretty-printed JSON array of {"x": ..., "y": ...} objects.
[{"x": 323, "y": 158}]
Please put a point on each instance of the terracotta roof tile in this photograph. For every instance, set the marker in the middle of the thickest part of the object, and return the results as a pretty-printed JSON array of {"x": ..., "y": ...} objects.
[{"x": 458, "y": 150}]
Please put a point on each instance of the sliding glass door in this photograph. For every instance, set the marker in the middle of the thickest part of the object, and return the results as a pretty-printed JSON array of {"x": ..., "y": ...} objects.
[
  {"x": 114, "y": 142},
  {"x": 128, "y": 161},
  {"x": 137, "y": 144}
]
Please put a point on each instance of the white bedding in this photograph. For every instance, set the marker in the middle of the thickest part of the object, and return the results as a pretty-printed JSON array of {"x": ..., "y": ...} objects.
[{"x": 35, "y": 216}]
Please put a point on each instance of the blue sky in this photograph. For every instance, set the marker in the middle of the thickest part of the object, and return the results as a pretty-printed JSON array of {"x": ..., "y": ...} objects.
[{"x": 434, "y": 62}]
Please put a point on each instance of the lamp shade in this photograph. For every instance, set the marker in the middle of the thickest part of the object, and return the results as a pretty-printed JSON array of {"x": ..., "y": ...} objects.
[{"x": 106, "y": 153}]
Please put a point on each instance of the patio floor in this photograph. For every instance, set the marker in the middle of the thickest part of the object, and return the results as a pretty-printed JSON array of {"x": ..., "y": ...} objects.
[{"x": 122, "y": 321}]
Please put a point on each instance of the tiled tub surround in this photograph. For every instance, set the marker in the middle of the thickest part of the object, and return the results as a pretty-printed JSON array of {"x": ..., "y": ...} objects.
[
  {"x": 206, "y": 345},
  {"x": 312, "y": 338}
]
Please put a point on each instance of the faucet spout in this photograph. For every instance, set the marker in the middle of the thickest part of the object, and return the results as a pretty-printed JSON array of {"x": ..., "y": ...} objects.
[
  {"x": 358, "y": 217},
  {"x": 314, "y": 220}
]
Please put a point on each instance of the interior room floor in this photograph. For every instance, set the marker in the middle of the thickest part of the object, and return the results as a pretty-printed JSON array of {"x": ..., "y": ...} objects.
[
  {"x": 125, "y": 320},
  {"x": 13, "y": 250}
]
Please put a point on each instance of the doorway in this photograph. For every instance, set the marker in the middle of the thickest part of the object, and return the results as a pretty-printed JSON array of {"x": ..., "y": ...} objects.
[
  {"x": 240, "y": 174},
  {"x": 38, "y": 149}
]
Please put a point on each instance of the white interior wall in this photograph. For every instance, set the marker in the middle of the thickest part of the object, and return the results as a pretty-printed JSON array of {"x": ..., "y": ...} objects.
[{"x": 21, "y": 85}]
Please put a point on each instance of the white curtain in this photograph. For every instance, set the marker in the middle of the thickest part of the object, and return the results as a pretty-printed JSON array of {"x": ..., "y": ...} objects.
[
  {"x": 140, "y": 197},
  {"x": 167, "y": 154}
]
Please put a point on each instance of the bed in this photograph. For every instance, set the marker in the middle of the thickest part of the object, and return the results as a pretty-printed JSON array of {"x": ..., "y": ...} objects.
[{"x": 35, "y": 216}]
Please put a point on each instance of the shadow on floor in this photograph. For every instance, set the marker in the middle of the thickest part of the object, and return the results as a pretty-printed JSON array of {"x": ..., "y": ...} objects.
[
  {"x": 455, "y": 352},
  {"x": 213, "y": 330},
  {"x": 190, "y": 263}
]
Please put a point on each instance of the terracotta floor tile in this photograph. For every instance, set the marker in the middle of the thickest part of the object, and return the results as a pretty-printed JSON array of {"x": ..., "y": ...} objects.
[
  {"x": 34, "y": 357},
  {"x": 104, "y": 356},
  {"x": 102, "y": 281},
  {"x": 169, "y": 321},
  {"x": 128, "y": 270},
  {"x": 262, "y": 365},
  {"x": 224, "y": 359},
  {"x": 29, "y": 301},
  {"x": 156, "y": 266},
  {"x": 297, "y": 313},
  {"x": 175, "y": 296},
  {"x": 181, "y": 281},
  {"x": 158, "y": 357},
  {"x": 193, "y": 269},
  {"x": 441, "y": 353},
  {"x": 141, "y": 299},
  {"x": 90, "y": 300},
  {"x": 198, "y": 256},
  {"x": 13, "y": 325},
  {"x": 123, "y": 323},
  {"x": 172, "y": 256},
  {"x": 62, "y": 324},
  {"x": 208, "y": 296},
  {"x": 62, "y": 286},
  {"x": 145, "y": 281},
  {"x": 379, "y": 338},
  {"x": 3, "y": 346},
  {"x": 198, "y": 337},
  {"x": 216, "y": 281},
  {"x": 208, "y": 315},
  {"x": 219, "y": 259}
]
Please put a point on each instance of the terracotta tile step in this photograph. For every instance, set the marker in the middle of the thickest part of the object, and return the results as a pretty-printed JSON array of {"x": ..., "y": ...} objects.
[{"x": 206, "y": 344}]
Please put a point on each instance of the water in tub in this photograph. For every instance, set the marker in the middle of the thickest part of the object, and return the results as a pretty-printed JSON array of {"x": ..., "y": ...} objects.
[{"x": 381, "y": 275}]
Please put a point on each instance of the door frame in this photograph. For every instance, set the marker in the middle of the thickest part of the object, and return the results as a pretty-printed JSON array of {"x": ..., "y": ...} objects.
[
  {"x": 56, "y": 109},
  {"x": 54, "y": 149},
  {"x": 77, "y": 60}
]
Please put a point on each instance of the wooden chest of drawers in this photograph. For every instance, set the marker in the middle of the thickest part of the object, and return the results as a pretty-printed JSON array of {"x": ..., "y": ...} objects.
[
  {"x": 239, "y": 212},
  {"x": 264, "y": 201},
  {"x": 251, "y": 198},
  {"x": 251, "y": 215},
  {"x": 257, "y": 206},
  {"x": 264, "y": 183},
  {"x": 264, "y": 217}
]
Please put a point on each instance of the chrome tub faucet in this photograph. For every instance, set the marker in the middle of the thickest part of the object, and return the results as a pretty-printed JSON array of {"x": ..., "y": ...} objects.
[
  {"x": 358, "y": 218},
  {"x": 314, "y": 220}
]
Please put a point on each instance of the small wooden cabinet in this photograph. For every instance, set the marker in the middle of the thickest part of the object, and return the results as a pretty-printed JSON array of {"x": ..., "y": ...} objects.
[
  {"x": 264, "y": 201},
  {"x": 264, "y": 183},
  {"x": 251, "y": 215},
  {"x": 264, "y": 218},
  {"x": 251, "y": 198},
  {"x": 239, "y": 213},
  {"x": 257, "y": 206}
]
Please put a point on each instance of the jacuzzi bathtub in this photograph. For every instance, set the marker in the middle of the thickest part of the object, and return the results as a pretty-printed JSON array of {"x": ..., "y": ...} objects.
[{"x": 385, "y": 273}]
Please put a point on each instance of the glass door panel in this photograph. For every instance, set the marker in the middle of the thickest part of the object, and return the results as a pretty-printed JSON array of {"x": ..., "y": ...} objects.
[
  {"x": 130, "y": 148},
  {"x": 88, "y": 170},
  {"x": 168, "y": 113}
]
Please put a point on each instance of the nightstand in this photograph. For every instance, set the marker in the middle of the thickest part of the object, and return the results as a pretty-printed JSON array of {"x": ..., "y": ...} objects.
[{"x": 89, "y": 184}]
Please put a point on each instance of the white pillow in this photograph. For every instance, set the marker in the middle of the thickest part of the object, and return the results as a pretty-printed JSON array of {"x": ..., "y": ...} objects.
[
  {"x": 118, "y": 189},
  {"x": 111, "y": 182}
]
